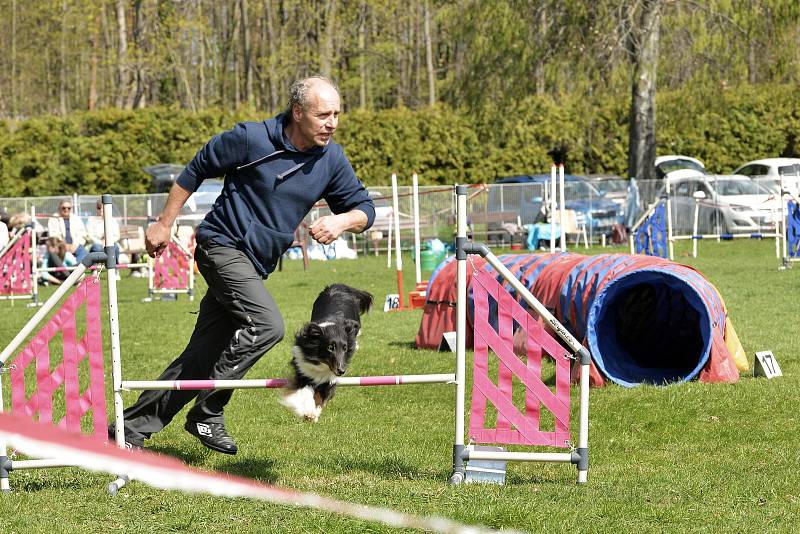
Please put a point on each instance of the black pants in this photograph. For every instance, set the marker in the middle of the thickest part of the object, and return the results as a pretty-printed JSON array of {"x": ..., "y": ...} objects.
[{"x": 238, "y": 322}]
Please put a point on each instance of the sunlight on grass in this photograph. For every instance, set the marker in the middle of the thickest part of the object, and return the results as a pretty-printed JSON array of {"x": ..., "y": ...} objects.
[{"x": 687, "y": 457}]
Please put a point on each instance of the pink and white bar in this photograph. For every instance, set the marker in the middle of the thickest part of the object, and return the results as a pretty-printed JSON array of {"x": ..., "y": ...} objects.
[{"x": 275, "y": 383}]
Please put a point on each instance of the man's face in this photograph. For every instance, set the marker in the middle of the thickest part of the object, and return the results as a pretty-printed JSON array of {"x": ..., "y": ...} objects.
[
  {"x": 65, "y": 210},
  {"x": 319, "y": 120}
]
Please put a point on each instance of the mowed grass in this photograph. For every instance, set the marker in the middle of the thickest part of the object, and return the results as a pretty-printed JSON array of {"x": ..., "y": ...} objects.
[{"x": 688, "y": 457}]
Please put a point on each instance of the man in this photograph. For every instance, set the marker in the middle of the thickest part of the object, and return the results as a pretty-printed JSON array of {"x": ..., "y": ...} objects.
[
  {"x": 275, "y": 171},
  {"x": 69, "y": 227}
]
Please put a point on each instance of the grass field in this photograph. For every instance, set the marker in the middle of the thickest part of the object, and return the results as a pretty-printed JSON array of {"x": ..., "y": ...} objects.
[{"x": 685, "y": 458}]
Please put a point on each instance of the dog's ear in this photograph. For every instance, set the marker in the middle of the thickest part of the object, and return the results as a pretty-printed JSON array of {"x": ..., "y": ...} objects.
[
  {"x": 311, "y": 330},
  {"x": 351, "y": 327}
]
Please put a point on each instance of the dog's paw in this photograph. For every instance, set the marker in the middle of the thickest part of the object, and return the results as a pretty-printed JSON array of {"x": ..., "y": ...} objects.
[
  {"x": 313, "y": 414},
  {"x": 300, "y": 401}
]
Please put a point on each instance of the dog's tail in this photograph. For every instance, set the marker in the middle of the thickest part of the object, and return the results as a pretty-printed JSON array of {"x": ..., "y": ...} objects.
[{"x": 364, "y": 300}]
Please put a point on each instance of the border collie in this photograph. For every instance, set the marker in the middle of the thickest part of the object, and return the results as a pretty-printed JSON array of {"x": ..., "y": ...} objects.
[{"x": 323, "y": 349}]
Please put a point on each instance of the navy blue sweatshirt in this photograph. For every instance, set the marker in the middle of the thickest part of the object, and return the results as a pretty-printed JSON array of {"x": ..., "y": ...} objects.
[{"x": 269, "y": 188}]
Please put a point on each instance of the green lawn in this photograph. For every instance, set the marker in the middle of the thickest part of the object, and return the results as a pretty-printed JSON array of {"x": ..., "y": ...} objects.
[{"x": 690, "y": 457}]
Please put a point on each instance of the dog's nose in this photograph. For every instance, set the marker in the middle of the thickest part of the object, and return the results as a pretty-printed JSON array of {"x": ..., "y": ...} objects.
[{"x": 340, "y": 371}]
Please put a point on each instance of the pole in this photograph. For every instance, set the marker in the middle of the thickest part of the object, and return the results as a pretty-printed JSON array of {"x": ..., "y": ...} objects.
[
  {"x": 399, "y": 258},
  {"x": 669, "y": 221},
  {"x": 562, "y": 215},
  {"x": 694, "y": 227},
  {"x": 553, "y": 209},
  {"x": 415, "y": 196},
  {"x": 34, "y": 259},
  {"x": 459, "y": 472}
]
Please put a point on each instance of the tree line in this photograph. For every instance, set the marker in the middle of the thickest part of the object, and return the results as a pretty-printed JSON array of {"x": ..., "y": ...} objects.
[
  {"x": 64, "y": 56},
  {"x": 67, "y": 55}
]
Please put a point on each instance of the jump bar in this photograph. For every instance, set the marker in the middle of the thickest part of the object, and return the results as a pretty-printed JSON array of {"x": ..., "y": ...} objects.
[{"x": 272, "y": 383}]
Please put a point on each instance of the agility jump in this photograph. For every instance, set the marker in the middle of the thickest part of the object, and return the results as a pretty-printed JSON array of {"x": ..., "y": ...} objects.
[
  {"x": 18, "y": 273},
  {"x": 653, "y": 233},
  {"x": 513, "y": 425}
]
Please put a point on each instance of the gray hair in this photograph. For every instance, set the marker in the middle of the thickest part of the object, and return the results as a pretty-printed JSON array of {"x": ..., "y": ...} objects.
[{"x": 298, "y": 91}]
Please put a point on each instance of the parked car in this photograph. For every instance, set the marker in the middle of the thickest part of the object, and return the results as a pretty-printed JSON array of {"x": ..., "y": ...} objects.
[
  {"x": 592, "y": 208},
  {"x": 769, "y": 171},
  {"x": 676, "y": 166},
  {"x": 200, "y": 202},
  {"x": 612, "y": 187},
  {"x": 163, "y": 176},
  {"x": 728, "y": 204}
]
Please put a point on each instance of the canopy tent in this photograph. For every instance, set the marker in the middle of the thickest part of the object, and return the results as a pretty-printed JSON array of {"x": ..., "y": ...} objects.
[{"x": 644, "y": 319}]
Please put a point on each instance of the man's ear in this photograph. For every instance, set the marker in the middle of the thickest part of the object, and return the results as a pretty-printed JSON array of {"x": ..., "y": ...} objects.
[{"x": 297, "y": 112}]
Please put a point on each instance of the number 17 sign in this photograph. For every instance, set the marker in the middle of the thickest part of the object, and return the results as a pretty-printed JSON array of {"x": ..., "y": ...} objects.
[{"x": 766, "y": 365}]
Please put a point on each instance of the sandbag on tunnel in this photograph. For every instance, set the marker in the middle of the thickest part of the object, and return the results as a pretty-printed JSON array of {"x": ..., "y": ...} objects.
[{"x": 646, "y": 320}]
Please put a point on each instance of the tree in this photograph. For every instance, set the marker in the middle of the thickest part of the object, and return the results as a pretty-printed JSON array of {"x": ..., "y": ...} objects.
[{"x": 644, "y": 39}]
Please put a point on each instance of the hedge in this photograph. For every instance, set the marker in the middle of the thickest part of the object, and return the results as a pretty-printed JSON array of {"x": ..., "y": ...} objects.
[{"x": 104, "y": 151}]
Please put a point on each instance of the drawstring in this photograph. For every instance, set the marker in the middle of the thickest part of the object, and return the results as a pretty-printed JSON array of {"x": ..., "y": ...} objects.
[
  {"x": 282, "y": 175},
  {"x": 259, "y": 160}
]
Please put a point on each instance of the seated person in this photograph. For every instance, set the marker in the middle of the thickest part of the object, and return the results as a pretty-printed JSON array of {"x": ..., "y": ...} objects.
[
  {"x": 69, "y": 227},
  {"x": 4, "y": 237},
  {"x": 57, "y": 256},
  {"x": 96, "y": 231}
]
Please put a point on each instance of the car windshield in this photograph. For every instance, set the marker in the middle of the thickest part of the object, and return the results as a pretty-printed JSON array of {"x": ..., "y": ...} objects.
[
  {"x": 677, "y": 164},
  {"x": 210, "y": 186},
  {"x": 739, "y": 187},
  {"x": 611, "y": 186},
  {"x": 582, "y": 189}
]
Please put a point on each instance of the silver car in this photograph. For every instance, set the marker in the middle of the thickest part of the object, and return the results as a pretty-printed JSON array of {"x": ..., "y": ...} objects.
[{"x": 727, "y": 204}]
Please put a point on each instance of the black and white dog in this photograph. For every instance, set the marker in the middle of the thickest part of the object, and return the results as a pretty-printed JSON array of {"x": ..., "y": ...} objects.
[{"x": 324, "y": 347}]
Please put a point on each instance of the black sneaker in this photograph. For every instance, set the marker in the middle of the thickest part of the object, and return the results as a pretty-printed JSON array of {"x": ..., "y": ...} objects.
[
  {"x": 132, "y": 442},
  {"x": 212, "y": 435}
]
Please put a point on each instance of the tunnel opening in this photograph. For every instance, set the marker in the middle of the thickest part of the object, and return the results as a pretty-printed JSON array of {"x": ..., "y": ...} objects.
[{"x": 649, "y": 327}]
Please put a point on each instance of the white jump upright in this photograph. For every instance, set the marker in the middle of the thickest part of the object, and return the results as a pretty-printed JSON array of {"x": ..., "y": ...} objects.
[
  {"x": 553, "y": 207},
  {"x": 415, "y": 197},
  {"x": 398, "y": 254}
]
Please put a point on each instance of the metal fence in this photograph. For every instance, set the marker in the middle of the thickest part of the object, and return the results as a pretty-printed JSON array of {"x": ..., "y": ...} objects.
[{"x": 597, "y": 208}]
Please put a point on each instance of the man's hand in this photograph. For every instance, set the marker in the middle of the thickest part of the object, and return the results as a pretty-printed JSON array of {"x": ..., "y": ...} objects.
[
  {"x": 156, "y": 238},
  {"x": 326, "y": 229}
]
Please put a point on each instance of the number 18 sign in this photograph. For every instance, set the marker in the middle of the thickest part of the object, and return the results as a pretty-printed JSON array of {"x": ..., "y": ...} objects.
[{"x": 392, "y": 302}]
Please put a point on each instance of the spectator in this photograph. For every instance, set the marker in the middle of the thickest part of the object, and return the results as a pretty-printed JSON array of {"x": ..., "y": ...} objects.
[
  {"x": 19, "y": 220},
  {"x": 57, "y": 256},
  {"x": 3, "y": 229},
  {"x": 69, "y": 227},
  {"x": 95, "y": 228}
]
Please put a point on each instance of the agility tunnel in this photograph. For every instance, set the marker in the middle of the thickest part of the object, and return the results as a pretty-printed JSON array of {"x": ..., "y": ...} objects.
[{"x": 645, "y": 319}]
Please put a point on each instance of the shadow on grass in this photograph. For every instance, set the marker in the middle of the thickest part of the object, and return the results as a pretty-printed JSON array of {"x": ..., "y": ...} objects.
[
  {"x": 403, "y": 344},
  {"x": 191, "y": 457},
  {"x": 389, "y": 468},
  {"x": 261, "y": 469}
]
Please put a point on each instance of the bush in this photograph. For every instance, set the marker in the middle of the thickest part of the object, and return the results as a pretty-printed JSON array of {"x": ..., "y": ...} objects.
[{"x": 104, "y": 151}]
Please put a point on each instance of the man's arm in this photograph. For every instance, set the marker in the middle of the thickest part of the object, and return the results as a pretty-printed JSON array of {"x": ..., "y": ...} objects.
[
  {"x": 327, "y": 229},
  {"x": 158, "y": 234}
]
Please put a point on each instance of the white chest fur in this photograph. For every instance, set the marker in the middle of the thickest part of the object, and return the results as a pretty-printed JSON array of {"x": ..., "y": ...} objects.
[{"x": 319, "y": 373}]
